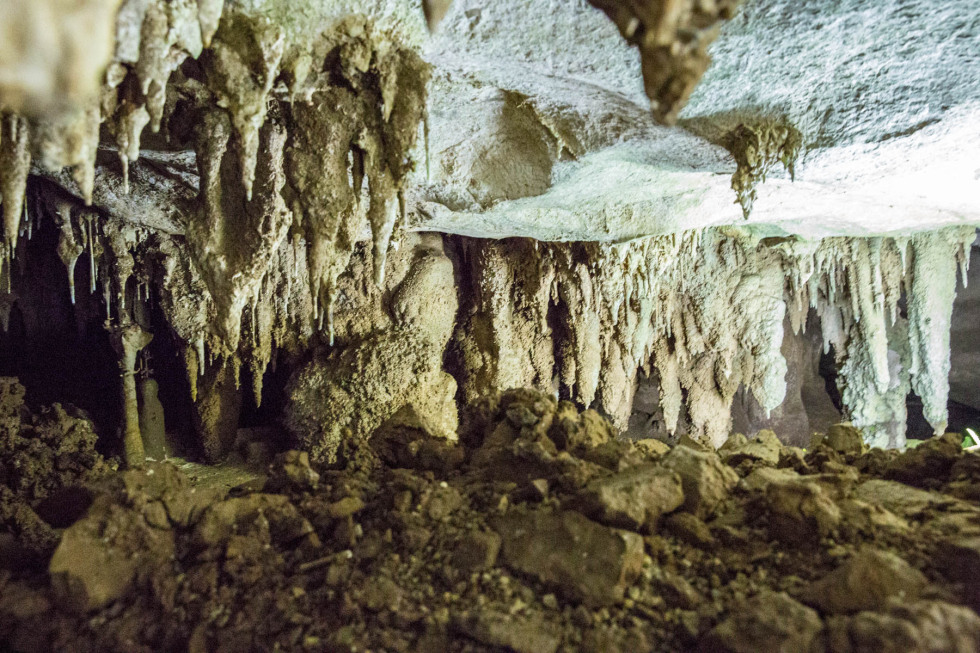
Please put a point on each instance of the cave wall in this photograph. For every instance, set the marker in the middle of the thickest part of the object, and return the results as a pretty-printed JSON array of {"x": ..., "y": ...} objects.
[{"x": 244, "y": 179}]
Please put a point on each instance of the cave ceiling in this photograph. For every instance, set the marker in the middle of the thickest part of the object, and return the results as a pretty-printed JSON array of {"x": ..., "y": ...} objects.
[{"x": 538, "y": 124}]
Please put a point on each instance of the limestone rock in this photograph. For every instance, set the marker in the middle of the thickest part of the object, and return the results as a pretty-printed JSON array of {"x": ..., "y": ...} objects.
[
  {"x": 800, "y": 511},
  {"x": 585, "y": 561},
  {"x": 960, "y": 560},
  {"x": 675, "y": 589},
  {"x": 268, "y": 515},
  {"x": 98, "y": 557},
  {"x": 652, "y": 446},
  {"x": 768, "y": 622},
  {"x": 477, "y": 551},
  {"x": 866, "y": 582},
  {"x": 634, "y": 499},
  {"x": 918, "y": 627},
  {"x": 899, "y": 498},
  {"x": 845, "y": 438},
  {"x": 291, "y": 470},
  {"x": 690, "y": 529},
  {"x": 576, "y": 431},
  {"x": 931, "y": 460},
  {"x": 514, "y": 633},
  {"x": 355, "y": 390},
  {"x": 761, "y": 477},
  {"x": 409, "y": 440},
  {"x": 734, "y": 441},
  {"x": 705, "y": 479},
  {"x": 869, "y": 516},
  {"x": 765, "y": 448}
]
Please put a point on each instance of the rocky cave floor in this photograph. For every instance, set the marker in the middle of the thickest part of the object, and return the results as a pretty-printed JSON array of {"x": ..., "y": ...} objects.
[{"x": 538, "y": 532}]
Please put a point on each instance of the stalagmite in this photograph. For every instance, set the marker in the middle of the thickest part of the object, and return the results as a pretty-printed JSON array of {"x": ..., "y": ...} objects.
[{"x": 127, "y": 341}]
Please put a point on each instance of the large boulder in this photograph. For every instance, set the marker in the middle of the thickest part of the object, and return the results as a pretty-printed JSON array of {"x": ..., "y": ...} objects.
[
  {"x": 705, "y": 479},
  {"x": 585, "y": 561},
  {"x": 768, "y": 622}
]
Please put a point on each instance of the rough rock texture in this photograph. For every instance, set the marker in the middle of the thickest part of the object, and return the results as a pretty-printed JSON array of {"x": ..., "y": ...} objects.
[
  {"x": 355, "y": 390},
  {"x": 584, "y": 560},
  {"x": 884, "y": 153},
  {"x": 535, "y": 312},
  {"x": 673, "y": 39},
  {"x": 866, "y": 582},
  {"x": 244, "y": 162},
  {"x": 490, "y": 551},
  {"x": 634, "y": 499},
  {"x": 45, "y": 456},
  {"x": 770, "y": 622}
]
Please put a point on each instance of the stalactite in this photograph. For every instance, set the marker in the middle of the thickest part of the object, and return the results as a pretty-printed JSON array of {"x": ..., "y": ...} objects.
[
  {"x": 706, "y": 311},
  {"x": 245, "y": 59},
  {"x": 235, "y": 241},
  {"x": 15, "y": 163},
  {"x": 931, "y": 290},
  {"x": 95, "y": 250},
  {"x": 69, "y": 245}
]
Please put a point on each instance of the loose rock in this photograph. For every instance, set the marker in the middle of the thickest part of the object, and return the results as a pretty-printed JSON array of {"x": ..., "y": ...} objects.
[
  {"x": 705, "y": 479},
  {"x": 868, "y": 581},
  {"x": 633, "y": 499},
  {"x": 769, "y": 622},
  {"x": 585, "y": 561}
]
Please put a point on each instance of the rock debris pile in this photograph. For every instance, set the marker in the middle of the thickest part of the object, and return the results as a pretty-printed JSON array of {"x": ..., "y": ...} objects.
[{"x": 537, "y": 531}]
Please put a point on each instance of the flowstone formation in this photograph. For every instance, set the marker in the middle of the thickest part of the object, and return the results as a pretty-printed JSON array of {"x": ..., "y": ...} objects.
[{"x": 757, "y": 148}]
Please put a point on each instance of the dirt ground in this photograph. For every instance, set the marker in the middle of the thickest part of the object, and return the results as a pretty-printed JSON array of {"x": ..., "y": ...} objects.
[{"x": 537, "y": 532}]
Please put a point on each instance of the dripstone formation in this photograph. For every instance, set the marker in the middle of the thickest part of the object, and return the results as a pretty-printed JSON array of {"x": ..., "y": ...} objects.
[{"x": 539, "y": 325}]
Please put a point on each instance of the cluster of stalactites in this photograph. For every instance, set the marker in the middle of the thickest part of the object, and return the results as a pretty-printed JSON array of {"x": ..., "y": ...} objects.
[
  {"x": 153, "y": 38},
  {"x": 858, "y": 287},
  {"x": 706, "y": 310},
  {"x": 126, "y": 271},
  {"x": 308, "y": 146},
  {"x": 294, "y": 166}
]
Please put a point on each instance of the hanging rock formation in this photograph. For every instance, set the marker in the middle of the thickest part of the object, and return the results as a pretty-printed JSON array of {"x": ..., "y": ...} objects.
[
  {"x": 246, "y": 180},
  {"x": 705, "y": 310}
]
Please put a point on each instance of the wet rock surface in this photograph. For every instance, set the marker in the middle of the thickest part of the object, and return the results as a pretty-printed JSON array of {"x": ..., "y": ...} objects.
[{"x": 519, "y": 537}]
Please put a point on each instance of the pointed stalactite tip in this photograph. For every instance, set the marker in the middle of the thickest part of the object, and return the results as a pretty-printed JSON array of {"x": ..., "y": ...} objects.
[{"x": 435, "y": 11}]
